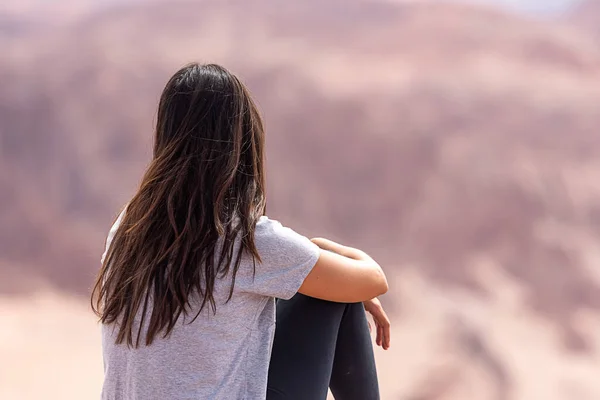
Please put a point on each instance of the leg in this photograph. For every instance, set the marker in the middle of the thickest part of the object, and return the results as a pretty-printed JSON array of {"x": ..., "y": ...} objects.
[
  {"x": 354, "y": 374},
  {"x": 310, "y": 352},
  {"x": 304, "y": 348}
]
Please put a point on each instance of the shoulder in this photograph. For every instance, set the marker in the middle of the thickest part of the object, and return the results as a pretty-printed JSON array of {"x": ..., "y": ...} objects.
[
  {"x": 267, "y": 226},
  {"x": 271, "y": 236},
  {"x": 268, "y": 229},
  {"x": 112, "y": 232}
]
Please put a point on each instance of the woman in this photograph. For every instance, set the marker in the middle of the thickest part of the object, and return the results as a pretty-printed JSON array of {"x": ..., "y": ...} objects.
[{"x": 192, "y": 268}]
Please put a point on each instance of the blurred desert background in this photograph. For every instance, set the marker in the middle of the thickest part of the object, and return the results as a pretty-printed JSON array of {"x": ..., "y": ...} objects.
[{"x": 457, "y": 142}]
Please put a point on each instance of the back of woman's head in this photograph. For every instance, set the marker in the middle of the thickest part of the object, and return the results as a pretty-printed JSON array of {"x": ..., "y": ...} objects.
[{"x": 205, "y": 185}]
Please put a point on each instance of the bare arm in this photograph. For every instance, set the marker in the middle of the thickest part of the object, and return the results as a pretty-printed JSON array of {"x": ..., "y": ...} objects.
[{"x": 344, "y": 274}]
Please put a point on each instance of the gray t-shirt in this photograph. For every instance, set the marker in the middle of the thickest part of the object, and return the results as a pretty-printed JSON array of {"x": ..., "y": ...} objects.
[{"x": 216, "y": 357}]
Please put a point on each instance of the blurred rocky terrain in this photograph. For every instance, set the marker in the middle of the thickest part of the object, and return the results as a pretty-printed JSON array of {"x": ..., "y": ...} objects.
[{"x": 456, "y": 143}]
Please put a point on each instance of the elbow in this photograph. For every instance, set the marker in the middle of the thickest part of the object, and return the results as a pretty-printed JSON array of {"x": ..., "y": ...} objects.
[
  {"x": 382, "y": 286},
  {"x": 379, "y": 284}
]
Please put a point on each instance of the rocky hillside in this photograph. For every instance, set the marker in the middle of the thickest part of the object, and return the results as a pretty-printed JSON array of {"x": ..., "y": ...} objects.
[{"x": 458, "y": 144}]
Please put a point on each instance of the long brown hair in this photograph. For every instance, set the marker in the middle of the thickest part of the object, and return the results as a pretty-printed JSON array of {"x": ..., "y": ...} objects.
[{"x": 205, "y": 184}]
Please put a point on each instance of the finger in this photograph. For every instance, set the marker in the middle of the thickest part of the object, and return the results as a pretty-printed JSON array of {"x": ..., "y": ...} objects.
[
  {"x": 379, "y": 336},
  {"x": 383, "y": 322},
  {"x": 386, "y": 335},
  {"x": 370, "y": 327}
]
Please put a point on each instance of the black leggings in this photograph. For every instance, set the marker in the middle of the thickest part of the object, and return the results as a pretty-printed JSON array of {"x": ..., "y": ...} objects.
[{"x": 320, "y": 344}]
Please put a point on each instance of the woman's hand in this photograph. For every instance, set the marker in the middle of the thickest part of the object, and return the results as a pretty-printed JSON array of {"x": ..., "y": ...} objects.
[{"x": 382, "y": 322}]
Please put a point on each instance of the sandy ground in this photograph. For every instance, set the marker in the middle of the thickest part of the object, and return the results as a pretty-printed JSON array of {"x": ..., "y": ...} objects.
[{"x": 51, "y": 347}]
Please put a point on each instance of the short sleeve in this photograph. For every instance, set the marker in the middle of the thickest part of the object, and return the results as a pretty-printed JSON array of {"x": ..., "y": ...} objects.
[{"x": 286, "y": 259}]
